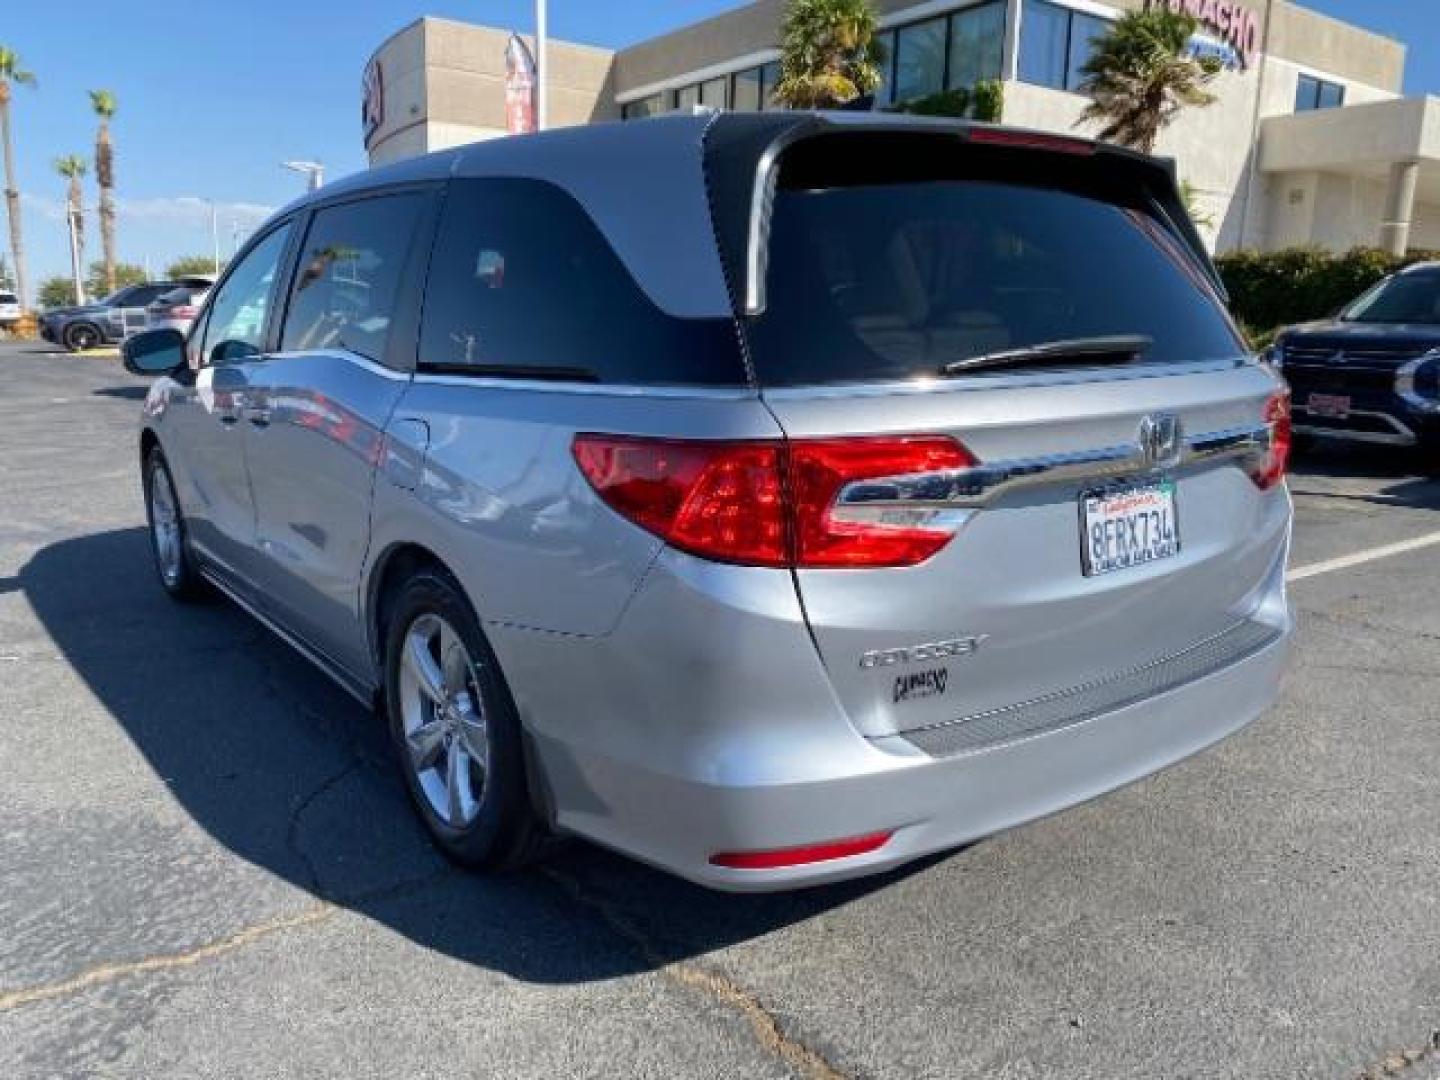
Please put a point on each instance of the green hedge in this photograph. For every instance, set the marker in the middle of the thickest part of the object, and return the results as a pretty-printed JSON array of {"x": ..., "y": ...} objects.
[{"x": 1274, "y": 289}]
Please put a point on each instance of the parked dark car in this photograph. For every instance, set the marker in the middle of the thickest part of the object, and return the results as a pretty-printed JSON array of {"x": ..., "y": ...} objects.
[
  {"x": 1371, "y": 374},
  {"x": 109, "y": 320}
]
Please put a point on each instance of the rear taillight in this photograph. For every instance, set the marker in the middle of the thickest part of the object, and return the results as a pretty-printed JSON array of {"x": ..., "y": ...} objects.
[
  {"x": 771, "y": 502},
  {"x": 183, "y": 311},
  {"x": 780, "y": 858},
  {"x": 1271, "y": 469}
]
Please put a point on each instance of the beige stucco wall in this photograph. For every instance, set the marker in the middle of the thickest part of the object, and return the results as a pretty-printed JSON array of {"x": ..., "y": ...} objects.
[
  {"x": 447, "y": 80},
  {"x": 1296, "y": 34}
]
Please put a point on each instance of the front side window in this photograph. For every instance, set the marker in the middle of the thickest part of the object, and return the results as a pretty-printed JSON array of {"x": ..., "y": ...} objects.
[
  {"x": 349, "y": 276},
  {"x": 522, "y": 284},
  {"x": 235, "y": 325}
]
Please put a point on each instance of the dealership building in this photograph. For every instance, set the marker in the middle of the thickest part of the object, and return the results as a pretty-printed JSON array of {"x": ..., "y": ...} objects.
[{"x": 1311, "y": 140}]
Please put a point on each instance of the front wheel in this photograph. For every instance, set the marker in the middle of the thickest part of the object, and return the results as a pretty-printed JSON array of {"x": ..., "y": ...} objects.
[
  {"x": 82, "y": 336},
  {"x": 169, "y": 543},
  {"x": 455, "y": 728}
]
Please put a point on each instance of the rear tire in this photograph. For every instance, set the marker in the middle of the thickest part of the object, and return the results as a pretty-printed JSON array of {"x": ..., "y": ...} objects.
[
  {"x": 455, "y": 729},
  {"x": 169, "y": 539}
]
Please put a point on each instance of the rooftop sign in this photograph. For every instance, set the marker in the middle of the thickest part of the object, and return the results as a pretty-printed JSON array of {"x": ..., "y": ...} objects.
[{"x": 1234, "y": 23}]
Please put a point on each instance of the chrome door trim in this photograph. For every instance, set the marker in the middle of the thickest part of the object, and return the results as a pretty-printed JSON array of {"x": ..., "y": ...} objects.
[{"x": 985, "y": 482}]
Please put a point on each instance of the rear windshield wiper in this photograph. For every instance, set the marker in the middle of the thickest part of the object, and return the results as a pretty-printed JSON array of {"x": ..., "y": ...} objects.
[{"x": 1115, "y": 348}]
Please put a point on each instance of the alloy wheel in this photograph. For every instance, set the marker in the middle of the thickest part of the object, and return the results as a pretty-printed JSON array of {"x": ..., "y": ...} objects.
[
  {"x": 165, "y": 526},
  {"x": 446, "y": 741}
]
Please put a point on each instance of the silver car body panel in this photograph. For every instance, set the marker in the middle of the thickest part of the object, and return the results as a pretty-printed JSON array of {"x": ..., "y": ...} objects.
[{"x": 675, "y": 707}]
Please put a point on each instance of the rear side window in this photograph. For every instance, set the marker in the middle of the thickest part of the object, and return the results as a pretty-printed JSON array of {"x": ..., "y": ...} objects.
[
  {"x": 523, "y": 284},
  {"x": 885, "y": 281},
  {"x": 349, "y": 276}
]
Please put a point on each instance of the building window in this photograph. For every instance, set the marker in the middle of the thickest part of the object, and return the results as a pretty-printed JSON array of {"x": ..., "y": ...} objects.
[
  {"x": 715, "y": 93},
  {"x": 769, "y": 80},
  {"x": 687, "y": 97},
  {"x": 977, "y": 45},
  {"x": 1312, "y": 93},
  {"x": 745, "y": 93},
  {"x": 653, "y": 105},
  {"x": 920, "y": 60},
  {"x": 1055, "y": 43}
]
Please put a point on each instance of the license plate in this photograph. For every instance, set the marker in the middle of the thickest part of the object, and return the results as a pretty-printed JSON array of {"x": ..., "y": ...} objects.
[
  {"x": 1334, "y": 406},
  {"x": 1127, "y": 527}
]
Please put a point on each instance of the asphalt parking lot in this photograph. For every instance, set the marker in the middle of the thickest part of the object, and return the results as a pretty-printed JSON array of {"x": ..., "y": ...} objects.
[{"x": 207, "y": 867}]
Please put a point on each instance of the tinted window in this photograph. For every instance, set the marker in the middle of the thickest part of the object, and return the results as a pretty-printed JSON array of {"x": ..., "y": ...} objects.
[
  {"x": 349, "y": 276},
  {"x": 892, "y": 281},
  {"x": 977, "y": 44},
  {"x": 648, "y": 106},
  {"x": 1055, "y": 42},
  {"x": 235, "y": 327},
  {"x": 1312, "y": 93},
  {"x": 145, "y": 294},
  {"x": 920, "y": 60},
  {"x": 523, "y": 284},
  {"x": 769, "y": 80},
  {"x": 1406, "y": 298},
  {"x": 747, "y": 90}
]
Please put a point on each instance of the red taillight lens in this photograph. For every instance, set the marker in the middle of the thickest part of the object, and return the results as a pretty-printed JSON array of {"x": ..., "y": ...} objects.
[
  {"x": 827, "y": 534},
  {"x": 1272, "y": 470},
  {"x": 183, "y": 311},
  {"x": 800, "y": 856},
  {"x": 720, "y": 500},
  {"x": 772, "y": 503}
]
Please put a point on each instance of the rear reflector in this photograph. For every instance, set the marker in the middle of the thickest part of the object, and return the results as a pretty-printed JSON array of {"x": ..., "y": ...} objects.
[
  {"x": 1031, "y": 140},
  {"x": 774, "y": 502},
  {"x": 1272, "y": 469},
  {"x": 779, "y": 858}
]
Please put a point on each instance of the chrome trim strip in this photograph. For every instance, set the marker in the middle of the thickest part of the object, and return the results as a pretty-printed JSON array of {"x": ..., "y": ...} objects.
[
  {"x": 559, "y": 386},
  {"x": 983, "y": 483},
  {"x": 1005, "y": 380}
]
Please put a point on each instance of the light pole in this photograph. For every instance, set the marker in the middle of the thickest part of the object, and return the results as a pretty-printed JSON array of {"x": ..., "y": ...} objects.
[
  {"x": 542, "y": 62},
  {"x": 314, "y": 170},
  {"x": 71, "y": 213},
  {"x": 215, "y": 237}
]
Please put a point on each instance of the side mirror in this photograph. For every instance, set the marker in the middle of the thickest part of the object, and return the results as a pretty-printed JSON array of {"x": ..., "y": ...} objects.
[{"x": 154, "y": 352}]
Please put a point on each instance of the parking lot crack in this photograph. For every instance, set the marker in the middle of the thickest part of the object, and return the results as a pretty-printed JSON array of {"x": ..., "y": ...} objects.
[
  {"x": 804, "y": 1060},
  {"x": 297, "y": 816},
  {"x": 108, "y": 973}
]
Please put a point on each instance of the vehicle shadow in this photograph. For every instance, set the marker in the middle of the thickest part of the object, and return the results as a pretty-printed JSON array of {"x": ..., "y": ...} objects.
[
  {"x": 289, "y": 773},
  {"x": 1405, "y": 478},
  {"x": 124, "y": 393}
]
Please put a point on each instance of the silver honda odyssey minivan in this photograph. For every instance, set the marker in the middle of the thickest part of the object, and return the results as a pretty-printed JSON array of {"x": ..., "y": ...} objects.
[{"x": 773, "y": 498}]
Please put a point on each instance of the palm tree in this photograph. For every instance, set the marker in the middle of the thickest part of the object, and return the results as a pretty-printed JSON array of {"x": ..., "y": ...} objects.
[
  {"x": 73, "y": 167},
  {"x": 12, "y": 74},
  {"x": 1141, "y": 75},
  {"x": 829, "y": 54},
  {"x": 103, "y": 102}
]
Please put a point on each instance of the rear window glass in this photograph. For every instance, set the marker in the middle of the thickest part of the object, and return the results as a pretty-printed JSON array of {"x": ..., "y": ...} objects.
[
  {"x": 894, "y": 281},
  {"x": 7, "y": 298},
  {"x": 523, "y": 284},
  {"x": 1407, "y": 298}
]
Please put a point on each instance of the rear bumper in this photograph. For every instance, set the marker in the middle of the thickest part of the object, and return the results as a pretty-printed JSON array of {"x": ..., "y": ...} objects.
[
  {"x": 673, "y": 739},
  {"x": 931, "y": 804}
]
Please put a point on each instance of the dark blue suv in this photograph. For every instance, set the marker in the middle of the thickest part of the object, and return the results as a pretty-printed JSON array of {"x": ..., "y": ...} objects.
[{"x": 1371, "y": 374}]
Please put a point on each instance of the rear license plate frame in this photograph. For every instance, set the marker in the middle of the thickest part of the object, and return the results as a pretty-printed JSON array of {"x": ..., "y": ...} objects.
[{"x": 1161, "y": 485}]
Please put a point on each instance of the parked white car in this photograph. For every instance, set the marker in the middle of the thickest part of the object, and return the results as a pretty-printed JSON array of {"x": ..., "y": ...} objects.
[{"x": 9, "y": 310}]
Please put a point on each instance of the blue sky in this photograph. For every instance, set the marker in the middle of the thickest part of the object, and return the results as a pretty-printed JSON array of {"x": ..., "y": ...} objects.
[{"x": 213, "y": 96}]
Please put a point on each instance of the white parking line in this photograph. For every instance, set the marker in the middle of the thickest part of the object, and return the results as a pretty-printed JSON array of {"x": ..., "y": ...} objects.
[{"x": 1300, "y": 573}]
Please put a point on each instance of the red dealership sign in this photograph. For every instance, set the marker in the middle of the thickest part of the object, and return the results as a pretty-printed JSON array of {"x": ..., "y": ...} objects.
[{"x": 1233, "y": 22}]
